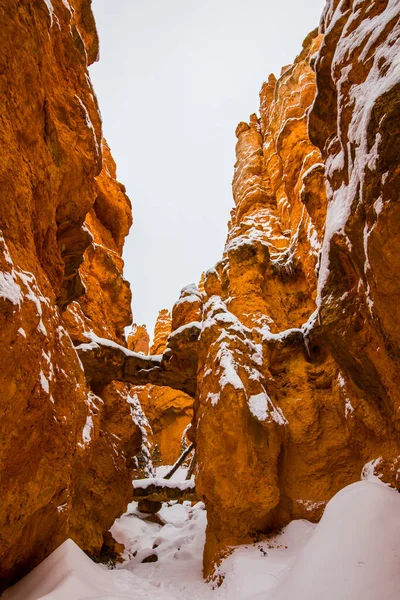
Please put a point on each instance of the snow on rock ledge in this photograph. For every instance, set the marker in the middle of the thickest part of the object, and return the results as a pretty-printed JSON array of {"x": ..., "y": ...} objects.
[{"x": 303, "y": 307}]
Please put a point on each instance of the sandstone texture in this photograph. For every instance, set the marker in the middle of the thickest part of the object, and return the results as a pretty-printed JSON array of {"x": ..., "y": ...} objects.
[
  {"x": 297, "y": 390},
  {"x": 105, "y": 307},
  {"x": 105, "y": 361},
  {"x": 291, "y": 347},
  {"x": 168, "y": 411},
  {"x": 162, "y": 331},
  {"x": 138, "y": 340},
  {"x": 168, "y": 403},
  {"x": 66, "y": 452}
]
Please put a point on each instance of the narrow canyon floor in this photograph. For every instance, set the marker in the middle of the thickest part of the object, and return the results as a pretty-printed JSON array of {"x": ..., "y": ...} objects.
[{"x": 354, "y": 552}]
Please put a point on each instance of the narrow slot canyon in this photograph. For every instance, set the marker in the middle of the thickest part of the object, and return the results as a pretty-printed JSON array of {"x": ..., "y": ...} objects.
[{"x": 249, "y": 447}]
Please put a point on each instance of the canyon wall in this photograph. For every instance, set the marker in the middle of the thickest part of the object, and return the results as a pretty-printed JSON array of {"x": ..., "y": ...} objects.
[
  {"x": 168, "y": 411},
  {"x": 67, "y": 451},
  {"x": 299, "y": 358},
  {"x": 291, "y": 347}
]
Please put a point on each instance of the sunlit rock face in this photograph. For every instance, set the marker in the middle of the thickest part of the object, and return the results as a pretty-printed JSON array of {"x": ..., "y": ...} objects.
[
  {"x": 256, "y": 400},
  {"x": 65, "y": 451},
  {"x": 298, "y": 353},
  {"x": 138, "y": 340},
  {"x": 162, "y": 330}
]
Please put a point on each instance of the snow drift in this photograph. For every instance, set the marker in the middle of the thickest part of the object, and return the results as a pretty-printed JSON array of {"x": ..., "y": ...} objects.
[{"x": 353, "y": 553}]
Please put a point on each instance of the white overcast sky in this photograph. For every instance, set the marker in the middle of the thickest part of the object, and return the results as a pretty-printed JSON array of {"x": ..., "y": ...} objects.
[{"x": 174, "y": 79}]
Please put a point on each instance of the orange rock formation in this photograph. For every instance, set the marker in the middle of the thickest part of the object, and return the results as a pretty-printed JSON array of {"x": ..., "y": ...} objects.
[
  {"x": 138, "y": 339},
  {"x": 169, "y": 411},
  {"x": 297, "y": 361},
  {"x": 296, "y": 358},
  {"x": 298, "y": 367},
  {"x": 66, "y": 452},
  {"x": 105, "y": 362},
  {"x": 291, "y": 347},
  {"x": 162, "y": 330}
]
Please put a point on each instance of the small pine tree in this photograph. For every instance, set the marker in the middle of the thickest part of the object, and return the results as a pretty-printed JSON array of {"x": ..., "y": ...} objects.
[{"x": 156, "y": 457}]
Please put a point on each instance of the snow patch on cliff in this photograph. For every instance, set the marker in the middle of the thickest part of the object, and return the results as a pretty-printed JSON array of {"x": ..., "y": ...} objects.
[
  {"x": 383, "y": 76},
  {"x": 262, "y": 407},
  {"x": 9, "y": 288}
]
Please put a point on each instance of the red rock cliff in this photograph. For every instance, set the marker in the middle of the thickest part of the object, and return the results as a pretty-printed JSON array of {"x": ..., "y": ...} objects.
[
  {"x": 66, "y": 452},
  {"x": 169, "y": 411},
  {"x": 298, "y": 353},
  {"x": 292, "y": 347}
]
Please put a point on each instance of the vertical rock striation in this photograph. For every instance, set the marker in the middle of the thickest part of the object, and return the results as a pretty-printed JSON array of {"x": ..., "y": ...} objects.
[
  {"x": 292, "y": 343},
  {"x": 66, "y": 452},
  {"x": 257, "y": 397},
  {"x": 162, "y": 330},
  {"x": 298, "y": 354}
]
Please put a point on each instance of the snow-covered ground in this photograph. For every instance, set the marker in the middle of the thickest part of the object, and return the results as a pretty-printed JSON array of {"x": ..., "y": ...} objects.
[{"x": 353, "y": 554}]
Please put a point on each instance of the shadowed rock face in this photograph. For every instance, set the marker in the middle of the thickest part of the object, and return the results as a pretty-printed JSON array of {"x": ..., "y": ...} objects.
[
  {"x": 105, "y": 361},
  {"x": 356, "y": 126},
  {"x": 169, "y": 411},
  {"x": 160, "y": 490},
  {"x": 105, "y": 308}
]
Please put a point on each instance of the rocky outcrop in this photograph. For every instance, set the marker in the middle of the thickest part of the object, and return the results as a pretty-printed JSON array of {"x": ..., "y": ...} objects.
[
  {"x": 291, "y": 346},
  {"x": 66, "y": 451},
  {"x": 105, "y": 361},
  {"x": 256, "y": 397},
  {"x": 162, "y": 331},
  {"x": 298, "y": 354},
  {"x": 169, "y": 413},
  {"x": 168, "y": 402},
  {"x": 105, "y": 308},
  {"x": 293, "y": 357},
  {"x": 356, "y": 127},
  {"x": 119, "y": 447},
  {"x": 138, "y": 340},
  {"x": 156, "y": 491}
]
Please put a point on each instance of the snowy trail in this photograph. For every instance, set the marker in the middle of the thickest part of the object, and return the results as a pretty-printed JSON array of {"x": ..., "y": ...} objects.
[
  {"x": 354, "y": 553},
  {"x": 249, "y": 571}
]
